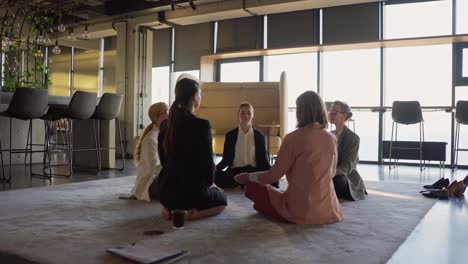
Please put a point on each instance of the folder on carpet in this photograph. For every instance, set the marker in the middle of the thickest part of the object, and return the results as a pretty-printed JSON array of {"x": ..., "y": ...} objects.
[{"x": 143, "y": 252}]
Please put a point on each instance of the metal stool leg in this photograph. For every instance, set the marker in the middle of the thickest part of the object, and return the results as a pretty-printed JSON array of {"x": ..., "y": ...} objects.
[
  {"x": 1, "y": 157},
  {"x": 70, "y": 146},
  {"x": 420, "y": 145},
  {"x": 121, "y": 143},
  {"x": 97, "y": 145},
  {"x": 391, "y": 146},
  {"x": 457, "y": 143},
  {"x": 10, "y": 150}
]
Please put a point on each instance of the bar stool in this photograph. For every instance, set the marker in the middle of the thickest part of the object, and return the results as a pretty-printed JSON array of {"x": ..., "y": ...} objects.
[
  {"x": 108, "y": 109},
  {"x": 407, "y": 113},
  {"x": 81, "y": 107},
  {"x": 26, "y": 104},
  {"x": 461, "y": 116}
]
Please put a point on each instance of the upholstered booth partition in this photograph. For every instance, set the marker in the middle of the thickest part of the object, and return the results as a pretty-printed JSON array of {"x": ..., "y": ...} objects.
[{"x": 220, "y": 105}]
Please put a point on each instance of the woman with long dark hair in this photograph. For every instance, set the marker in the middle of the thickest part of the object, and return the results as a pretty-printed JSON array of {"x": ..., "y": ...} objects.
[
  {"x": 187, "y": 157},
  {"x": 308, "y": 159}
]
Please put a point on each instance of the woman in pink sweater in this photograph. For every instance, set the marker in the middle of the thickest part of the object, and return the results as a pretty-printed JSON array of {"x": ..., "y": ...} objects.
[{"x": 308, "y": 158}]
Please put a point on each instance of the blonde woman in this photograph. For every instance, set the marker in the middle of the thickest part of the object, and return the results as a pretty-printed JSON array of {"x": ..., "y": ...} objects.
[
  {"x": 146, "y": 155},
  {"x": 348, "y": 182}
]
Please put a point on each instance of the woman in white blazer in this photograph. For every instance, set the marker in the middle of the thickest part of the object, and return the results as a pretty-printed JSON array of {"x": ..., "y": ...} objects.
[{"x": 147, "y": 157}]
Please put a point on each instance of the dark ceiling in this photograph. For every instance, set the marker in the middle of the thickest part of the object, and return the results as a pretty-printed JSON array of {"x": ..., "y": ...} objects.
[{"x": 79, "y": 11}]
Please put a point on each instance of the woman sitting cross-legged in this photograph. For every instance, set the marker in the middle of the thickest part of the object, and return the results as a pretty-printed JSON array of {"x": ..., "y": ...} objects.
[
  {"x": 147, "y": 157},
  {"x": 308, "y": 158},
  {"x": 187, "y": 156},
  {"x": 348, "y": 183},
  {"x": 244, "y": 150}
]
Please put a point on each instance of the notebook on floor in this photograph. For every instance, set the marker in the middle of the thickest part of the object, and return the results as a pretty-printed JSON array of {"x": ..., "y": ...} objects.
[{"x": 143, "y": 252}]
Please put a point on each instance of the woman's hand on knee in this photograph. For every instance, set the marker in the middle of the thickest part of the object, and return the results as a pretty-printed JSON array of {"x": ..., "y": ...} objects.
[{"x": 242, "y": 178}]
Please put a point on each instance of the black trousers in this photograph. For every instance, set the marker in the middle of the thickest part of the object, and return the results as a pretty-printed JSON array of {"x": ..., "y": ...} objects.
[
  {"x": 225, "y": 179},
  {"x": 342, "y": 187}
]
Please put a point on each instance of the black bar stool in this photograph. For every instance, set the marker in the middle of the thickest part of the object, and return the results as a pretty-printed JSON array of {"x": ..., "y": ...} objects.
[
  {"x": 461, "y": 116},
  {"x": 108, "y": 109},
  {"x": 81, "y": 107},
  {"x": 407, "y": 113},
  {"x": 26, "y": 104}
]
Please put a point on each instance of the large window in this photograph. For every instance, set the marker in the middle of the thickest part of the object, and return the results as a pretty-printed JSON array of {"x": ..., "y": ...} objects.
[
  {"x": 354, "y": 77},
  {"x": 462, "y": 16},
  {"x": 428, "y": 18},
  {"x": 423, "y": 74},
  {"x": 59, "y": 72},
  {"x": 240, "y": 71},
  {"x": 160, "y": 84},
  {"x": 301, "y": 76},
  {"x": 86, "y": 70}
]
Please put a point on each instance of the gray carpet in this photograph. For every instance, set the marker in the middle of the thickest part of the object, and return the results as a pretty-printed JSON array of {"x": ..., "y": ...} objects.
[{"x": 75, "y": 223}]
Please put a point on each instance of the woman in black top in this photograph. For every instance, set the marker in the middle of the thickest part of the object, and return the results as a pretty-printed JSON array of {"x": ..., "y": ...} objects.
[
  {"x": 187, "y": 157},
  {"x": 244, "y": 150}
]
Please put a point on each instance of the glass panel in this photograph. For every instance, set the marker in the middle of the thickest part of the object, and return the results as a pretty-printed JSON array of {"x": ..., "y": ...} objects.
[
  {"x": 59, "y": 72},
  {"x": 465, "y": 63},
  {"x": 245, "y": 71},
  {"x": 423, "y": 74},
  {"x": 461, "y": 93},
  {"x": 347, "y": 76},
  {"x": 429, "y": 18},
  {"x": 419, "y": 73},
  {"x": 160, "y": 84},
  {"x": 462, "y": 16},
  {"x": 86, "y": 70},
  {"x": 301, "y": 73},
  {"x": 110, "y": 53}
]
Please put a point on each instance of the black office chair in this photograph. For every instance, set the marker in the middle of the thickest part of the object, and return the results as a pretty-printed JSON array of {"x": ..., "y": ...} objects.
[
  {"x": 108, "y": 109},
  {"x": 461, "y": 117},
  {"x": 407, "y": 113},
  {"x": 26, "y": 104},
  {"x": 81, "y": 107}
]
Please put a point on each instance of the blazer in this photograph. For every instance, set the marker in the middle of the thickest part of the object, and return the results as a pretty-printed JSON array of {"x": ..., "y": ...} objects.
[
  {"x": 261, "y": 157},
  {"x": 189, "y": 172},
  {"x": 307, "y": 157},
  {"x": 149, "y": 166},
  {"x": 348, "y": 157}
]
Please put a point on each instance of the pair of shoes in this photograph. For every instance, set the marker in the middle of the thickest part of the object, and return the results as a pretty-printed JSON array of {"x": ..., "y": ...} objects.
[
  {"x": 436, "y": 193},
  {"x": 441, "y": 183},
  {"x": 456, "y": 188}
]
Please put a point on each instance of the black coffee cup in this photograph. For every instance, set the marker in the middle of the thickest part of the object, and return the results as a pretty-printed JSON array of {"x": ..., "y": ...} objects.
[{"x": 178, "y": 217}]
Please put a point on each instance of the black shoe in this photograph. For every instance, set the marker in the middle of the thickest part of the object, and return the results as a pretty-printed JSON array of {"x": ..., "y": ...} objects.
[
  {"x": 441, "y": 194},
  {"x": 275, "y": 184},
  {"x": 441, "y": 183}
]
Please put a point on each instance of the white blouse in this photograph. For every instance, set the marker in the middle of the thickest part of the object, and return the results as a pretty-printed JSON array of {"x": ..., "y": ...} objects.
[
  {"x": 149, "y": 167},
  {"x": 245, "y": 149}
]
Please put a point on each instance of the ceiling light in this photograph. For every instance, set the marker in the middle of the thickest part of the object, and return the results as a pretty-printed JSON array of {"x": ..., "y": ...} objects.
[
  {"x": 71, "y": 35},
  {"x": 86, "y": 34},
  {"x": 56, "y": 50},
  {"x": 61, "y": 27}
]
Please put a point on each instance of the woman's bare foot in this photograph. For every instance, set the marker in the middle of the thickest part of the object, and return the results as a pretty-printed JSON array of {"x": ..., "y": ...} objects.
[{"x": 165, "y": 214}]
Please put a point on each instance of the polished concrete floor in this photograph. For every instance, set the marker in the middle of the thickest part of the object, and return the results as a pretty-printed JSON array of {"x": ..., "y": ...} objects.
[
  {"x": 440, "y": 237},
  {"x": 21, "y": 176}
]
